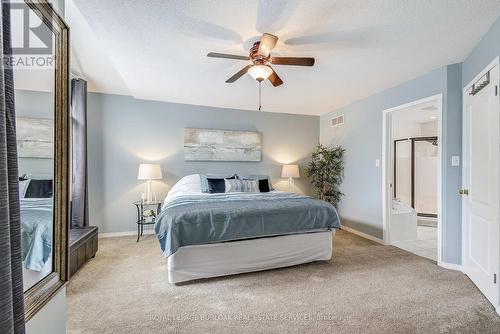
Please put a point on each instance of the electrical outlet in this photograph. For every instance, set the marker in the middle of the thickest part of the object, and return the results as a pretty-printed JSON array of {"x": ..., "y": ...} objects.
[{"x": 455, "y": 160}]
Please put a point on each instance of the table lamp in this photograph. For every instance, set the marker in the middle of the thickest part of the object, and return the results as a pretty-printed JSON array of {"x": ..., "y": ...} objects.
[
  {"x": 291, "y": 172},
  {"x": 149, "y": 172}
]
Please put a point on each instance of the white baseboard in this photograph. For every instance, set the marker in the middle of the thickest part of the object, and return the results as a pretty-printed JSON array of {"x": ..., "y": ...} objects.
[
  {"x": 124, "y": 233},
  {"x": 450, "y": 266},
  {"x": 363, "y": 235}
]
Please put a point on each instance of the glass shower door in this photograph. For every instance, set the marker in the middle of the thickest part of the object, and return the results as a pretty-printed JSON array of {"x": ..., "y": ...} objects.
[
  {"x": 402, "y": 171},
  {"x": 425, "y": 178}
]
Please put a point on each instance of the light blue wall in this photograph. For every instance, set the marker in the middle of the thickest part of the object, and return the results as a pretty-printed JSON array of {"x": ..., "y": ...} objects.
[
  {"x": 123, "y": 132},
  {"x": 486, "y": 50},
  {"x": 35, "y": 105},
  {"x": 361, "y": 135},
  {"x": 361, "y": 208},
  {"x": 452, "y": 176}
]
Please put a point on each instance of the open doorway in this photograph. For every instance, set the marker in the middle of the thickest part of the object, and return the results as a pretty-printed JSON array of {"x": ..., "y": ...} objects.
[{"x": 412, "y": 161}]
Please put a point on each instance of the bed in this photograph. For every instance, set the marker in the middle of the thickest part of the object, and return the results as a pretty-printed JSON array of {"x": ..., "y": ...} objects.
[
  {"x": 36, "y": 238},
  {"x": 206, "y": 235}
]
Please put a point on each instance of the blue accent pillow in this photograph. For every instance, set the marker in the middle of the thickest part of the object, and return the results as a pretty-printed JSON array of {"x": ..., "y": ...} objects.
[
  {"x": 39, "y": 189},
  {"x": 204, "y": 180},
  {"x": 216, "y": 186},
  {"x": 264, "y": 186}
]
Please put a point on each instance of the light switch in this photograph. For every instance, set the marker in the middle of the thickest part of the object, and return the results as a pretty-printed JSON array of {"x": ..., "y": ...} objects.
[
  {"x": 377, "y": 163},
  {"x": 455, "y": 160}
]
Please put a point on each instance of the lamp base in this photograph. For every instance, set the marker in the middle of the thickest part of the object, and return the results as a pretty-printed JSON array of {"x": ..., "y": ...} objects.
[
  {"x": 291, "y": 184},
  {"x": 148, "y": 192}
]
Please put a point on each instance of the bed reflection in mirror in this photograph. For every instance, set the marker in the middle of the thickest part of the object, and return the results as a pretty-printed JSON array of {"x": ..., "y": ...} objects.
[{"x": 35, "y": 109}]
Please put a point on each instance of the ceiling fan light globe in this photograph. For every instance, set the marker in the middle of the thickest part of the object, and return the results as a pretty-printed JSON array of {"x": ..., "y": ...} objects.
[{"x": 260, "y": 72}]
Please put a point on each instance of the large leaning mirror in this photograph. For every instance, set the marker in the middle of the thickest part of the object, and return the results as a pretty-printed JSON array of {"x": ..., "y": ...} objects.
[{"x": 39, "y": 41}]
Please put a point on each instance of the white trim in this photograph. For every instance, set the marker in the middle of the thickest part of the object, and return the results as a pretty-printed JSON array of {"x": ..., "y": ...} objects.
[
  {"x": 491, "y": 65},
  {"x": 451, "y": 266},
  {"x": 363, "y": 235},
  {"x": 386, "y": 177},
  {"x": 494, "y": 62},
  {"x": 124, "y": 233}
]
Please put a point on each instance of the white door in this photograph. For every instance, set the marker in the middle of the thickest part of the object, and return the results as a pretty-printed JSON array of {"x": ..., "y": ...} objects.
[{"x": 481, "y": 181}]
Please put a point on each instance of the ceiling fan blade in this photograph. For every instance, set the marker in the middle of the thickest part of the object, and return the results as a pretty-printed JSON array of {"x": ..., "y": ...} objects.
[
  {"x": 267, "y": 43},
  {"x": 239, "y": 74},
  {"x": 297, "y": 61},
  {"x": 227, "y": 56},
  {"x": 275, "y": 79}
]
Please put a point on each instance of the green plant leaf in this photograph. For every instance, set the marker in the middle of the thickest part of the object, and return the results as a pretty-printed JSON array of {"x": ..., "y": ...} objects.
[{"x": 326, "y": 171}]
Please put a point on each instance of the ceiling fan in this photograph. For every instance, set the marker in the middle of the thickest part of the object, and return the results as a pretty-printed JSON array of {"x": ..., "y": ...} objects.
[{"x": 260, "y": 55}]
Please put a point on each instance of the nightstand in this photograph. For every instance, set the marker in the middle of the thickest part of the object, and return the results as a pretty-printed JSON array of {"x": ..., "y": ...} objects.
[{"x": 141, "y": 220}]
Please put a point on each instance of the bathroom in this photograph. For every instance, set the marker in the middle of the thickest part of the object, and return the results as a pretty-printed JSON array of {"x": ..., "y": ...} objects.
[{"x": 415, "y": 167}]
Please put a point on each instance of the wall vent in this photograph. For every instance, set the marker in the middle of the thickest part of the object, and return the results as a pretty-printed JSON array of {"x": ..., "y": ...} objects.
[{"x": 336, "y": 121}]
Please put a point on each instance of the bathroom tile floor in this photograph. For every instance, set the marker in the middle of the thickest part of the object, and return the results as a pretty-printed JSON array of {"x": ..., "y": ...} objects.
[{"x": 425, "y": 245}]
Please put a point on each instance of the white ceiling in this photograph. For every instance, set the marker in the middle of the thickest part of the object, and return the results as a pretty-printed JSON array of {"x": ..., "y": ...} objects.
[{"x": 157, "y": 49}]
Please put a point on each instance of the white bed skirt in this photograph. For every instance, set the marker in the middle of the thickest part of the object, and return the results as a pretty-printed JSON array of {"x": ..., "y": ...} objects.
[{"x": 234, "y": 257}]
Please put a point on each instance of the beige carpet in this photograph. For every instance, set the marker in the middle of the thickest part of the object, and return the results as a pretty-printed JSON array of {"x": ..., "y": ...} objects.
[{"x": 366, "y": 288}]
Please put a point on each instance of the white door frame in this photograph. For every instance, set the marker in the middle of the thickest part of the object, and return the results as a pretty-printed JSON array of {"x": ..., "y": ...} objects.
[
  {"x": 494, "y": 62},
  {"x": 386, "y": 161}
]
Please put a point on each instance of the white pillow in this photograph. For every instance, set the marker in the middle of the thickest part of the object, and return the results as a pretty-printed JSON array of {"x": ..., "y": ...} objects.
[
  {"x": 188, "y": 185},
  {"x": 246, "y": 186},
  {"x": 23, "y": 186}
]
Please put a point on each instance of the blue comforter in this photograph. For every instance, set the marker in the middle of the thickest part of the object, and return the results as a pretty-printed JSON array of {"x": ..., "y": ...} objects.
[
  {"x": 36, "y": 232},
  {"x": 194, "y": 220}
]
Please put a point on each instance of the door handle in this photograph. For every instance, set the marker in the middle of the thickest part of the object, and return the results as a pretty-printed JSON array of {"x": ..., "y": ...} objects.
[{"x": 464, "y": 192}]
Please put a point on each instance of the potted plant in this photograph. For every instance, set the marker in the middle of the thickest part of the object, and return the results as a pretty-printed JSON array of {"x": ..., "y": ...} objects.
[{"x": 326, "y": 171}]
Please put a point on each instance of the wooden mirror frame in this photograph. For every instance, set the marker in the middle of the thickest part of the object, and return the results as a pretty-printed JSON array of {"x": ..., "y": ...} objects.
[{"x": 42, "y": 292}]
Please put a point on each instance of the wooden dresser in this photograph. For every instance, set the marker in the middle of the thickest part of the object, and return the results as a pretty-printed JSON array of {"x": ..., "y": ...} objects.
[{"x": 83, "y": 244}]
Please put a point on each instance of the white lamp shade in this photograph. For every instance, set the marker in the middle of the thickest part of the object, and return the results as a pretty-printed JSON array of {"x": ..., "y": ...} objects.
[
  {"x": 260, "y": 72},
  {"x": 149, "y": 172},
  {"x": 290, "y": 171}
]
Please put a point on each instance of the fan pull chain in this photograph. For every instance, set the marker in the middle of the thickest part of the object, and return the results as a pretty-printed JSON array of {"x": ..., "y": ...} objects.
[{"x": 260, "y": 94}]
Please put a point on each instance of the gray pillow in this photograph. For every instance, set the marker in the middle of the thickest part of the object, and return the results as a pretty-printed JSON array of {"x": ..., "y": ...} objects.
[
  {"x": 204, "y": 180},
  {"x": 246, "y": 186},
  {"x": 257, "y": 177}
]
